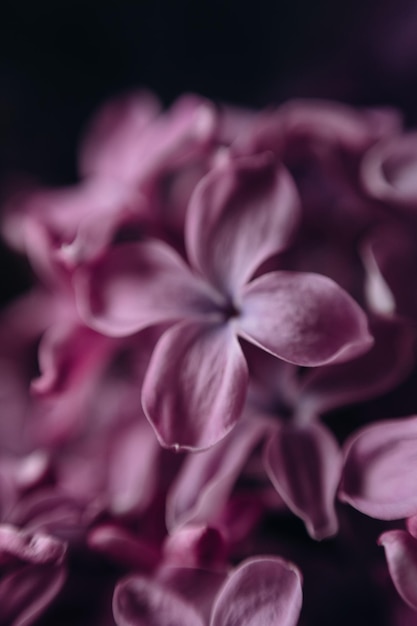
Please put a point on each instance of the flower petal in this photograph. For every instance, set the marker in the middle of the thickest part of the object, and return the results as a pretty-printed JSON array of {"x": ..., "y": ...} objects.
[
  {"x": 205, "y": 480},
  {"x": 137, "y": 285},
  {"x": 242, "y": 213},
  {"x": 303, "y": 318},
  {"x": 401, "y": 553},
  {"x": 141, "y": 602},
  {"x": 28, "y": 591},
  {"x": 263, "y": 591},
  {"x": 381, "y": 468},
  {"x": 304, "y": 465},
  {"x": 195, "y": 386}
]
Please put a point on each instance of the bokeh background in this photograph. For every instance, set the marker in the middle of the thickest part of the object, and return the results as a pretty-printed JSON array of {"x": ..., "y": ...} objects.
[{"x": 60, "y": 60}]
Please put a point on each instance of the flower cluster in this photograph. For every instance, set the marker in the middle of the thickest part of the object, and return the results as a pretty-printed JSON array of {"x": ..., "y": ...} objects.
[{"x": 219, "y": 339}]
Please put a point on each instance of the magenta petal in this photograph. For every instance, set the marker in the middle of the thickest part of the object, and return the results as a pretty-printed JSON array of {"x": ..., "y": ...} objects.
[
  {"x": 111, "y": 141},
  {"x": 263, "y": 591},
  {"x": 141, "y": 602},
  {"x": 306, "y": 319},
  {"x": 380, "y": 467},
  {"x": 196, "y": 546},
  {"x": 243, "y": 212},
  {"x": 377, "y": 371},
  {"x": 401, "y": 553},
  {"x": 137, "y": 285},
  {"x": 36, "y": 548},
  {"x": 123, "y": 547},
  {"x": 195, "y": 386},
  {"x": 304, "y": 464},
  {"x": 26, "y": 593},
  {"x": 389, "y": 171},
  {"x": 205, "y": 480}
]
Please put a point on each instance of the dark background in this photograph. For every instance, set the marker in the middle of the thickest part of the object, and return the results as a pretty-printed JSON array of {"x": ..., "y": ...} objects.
[{"x": 60, "y": 59}]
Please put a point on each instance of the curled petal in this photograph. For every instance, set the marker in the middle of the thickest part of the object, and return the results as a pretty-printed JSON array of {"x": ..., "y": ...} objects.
[
  {"x": 401, "y": 553},
  {"x": 30, "y": 547},
  {"x": 195, "y": 386},
  {"x": 26, "y": 593},
  {"x": 205, "y": 480},
  {"x": 304, "y": 465},
  {"x": 263, "y": 591},
  {"x": 136, "y": 285},
  {"x": 380, "y": 470},
  {"x": 302, "y": 318},
  {"x": 141, "y": 602},
  {"x": 389, "y": 171},
  {"x": 243, "y": 212}
]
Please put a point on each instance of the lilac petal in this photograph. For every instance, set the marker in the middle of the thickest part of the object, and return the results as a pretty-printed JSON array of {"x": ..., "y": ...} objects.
[
  {"x": 401, "y": 553},
  {"x": 380, "y": 469},
  {"x": 205, "y": 480},
  {"x": 304, "y": 464},
  {"x": 306, "y": 319},
  {"x": 197, "y": 546},
  {"x": 141, "y": 602},
  {"x": 243, "y": 212},
  {"x": 390, "y": 258},
  {"x": 386, "y": 364},
  {"x": 123, "y": 547},
  {"x": 133, "y": 469},
  {"x": 36, "y": 548},
  {"x": 389, "y": 171},
  {"x": 114, "y": 132},
  {"x": 26, "y": 593},
  {"x": 136, "y": 285},
  {"x": 263, "y": 591},
  {"x": 195, "y": 386}
]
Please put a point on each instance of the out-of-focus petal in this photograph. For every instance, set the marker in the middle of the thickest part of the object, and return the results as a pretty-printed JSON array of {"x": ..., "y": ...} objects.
[
  {"x": 381, "y": 468},
  {"x": 197, "y": 546},
  {"x": 27, "y": 592},
  {"x": 304, "y": 464},
  {"x": 386, "y": 364},
  {"x": 122, "y": 547},
  {"x": 136, "y": 285},
  {"x": 306, "y": 319},
  {"x": 115, "y": 131},
  {"x": 263, "y": 591},
  {"x": 141, "y": 602},
  {"x": 205, "y": 480},
  {"x": 401, "y": 553},
  {"x": 36, "y": 548},
  {"x": 195, "y": 386},
  {"x": 242, "y": 213},
  {"x": 389, "y": 171}
]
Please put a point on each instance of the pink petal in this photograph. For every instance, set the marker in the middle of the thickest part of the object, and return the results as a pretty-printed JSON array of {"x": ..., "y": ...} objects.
[
  {"x": 205, "y": 480},
  {"x": 380, "y": 470},
  {"x": 389, "y": 171},
  {"x": 242, "y": 213},
  {"x": 123, "y": 547},
  {"x": 401, "y": 553},
  {"x": 306, "y": 319},
  {"x": 386, "y": 364},
  {"x": 36, "y": 548},
  {"x": 114, "y": 133},
  {"x": 195, "y": 386},
  {"x": 137, "y": 285},
  {"x": 197, "y": 546},
  {"x": 141, "y": 602},
  {"x": 304, "y": 465},
  {"x": 26, "y": 593},
  {"x": 263, "y": 591}
]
